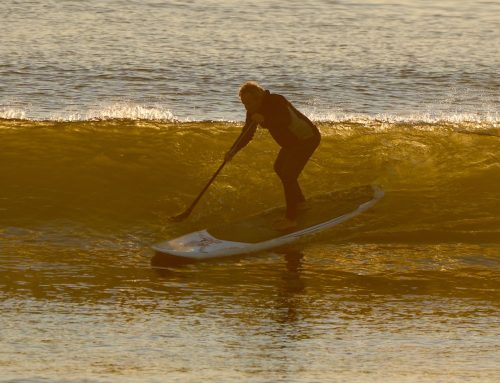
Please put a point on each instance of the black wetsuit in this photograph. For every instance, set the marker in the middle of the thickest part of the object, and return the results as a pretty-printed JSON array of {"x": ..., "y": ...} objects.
[{"x": 297, "y": 136}]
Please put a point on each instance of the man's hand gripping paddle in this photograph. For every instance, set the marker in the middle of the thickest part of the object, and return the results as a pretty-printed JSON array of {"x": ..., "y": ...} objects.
[{"x": 182, "y": 216}]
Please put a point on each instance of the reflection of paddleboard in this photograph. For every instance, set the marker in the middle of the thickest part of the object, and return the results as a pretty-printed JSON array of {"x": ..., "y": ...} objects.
[{"x": 256, "y": 233}]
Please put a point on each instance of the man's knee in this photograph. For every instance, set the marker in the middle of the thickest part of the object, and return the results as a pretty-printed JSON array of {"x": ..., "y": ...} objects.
[
  {"x": 286, "y": 175},
  {"x": 288, "y": 168},
  {"x": 278, "y": 167}
]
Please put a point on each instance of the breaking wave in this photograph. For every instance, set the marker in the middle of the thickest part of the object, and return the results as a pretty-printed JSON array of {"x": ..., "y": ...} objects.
[{"x": 442, "y": 180}]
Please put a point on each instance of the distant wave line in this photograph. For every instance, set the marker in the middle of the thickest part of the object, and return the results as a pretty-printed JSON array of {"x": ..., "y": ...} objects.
[{"x": 130, "y": 111}]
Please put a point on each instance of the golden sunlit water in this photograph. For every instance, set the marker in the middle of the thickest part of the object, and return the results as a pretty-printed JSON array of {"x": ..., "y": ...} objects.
[{"x": 409, "y": 291}]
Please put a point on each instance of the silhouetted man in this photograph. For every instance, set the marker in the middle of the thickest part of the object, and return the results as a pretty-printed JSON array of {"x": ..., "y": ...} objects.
[{"x": 294, "y": 132}]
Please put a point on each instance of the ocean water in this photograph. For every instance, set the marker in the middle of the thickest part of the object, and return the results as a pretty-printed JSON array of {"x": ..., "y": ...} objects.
[
  {"x": 114, "y": 114},
  {"x": 154, "y": 59}
]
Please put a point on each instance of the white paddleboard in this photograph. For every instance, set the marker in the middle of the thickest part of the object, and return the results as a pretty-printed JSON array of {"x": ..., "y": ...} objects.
[{"x": 256, "y": 233}]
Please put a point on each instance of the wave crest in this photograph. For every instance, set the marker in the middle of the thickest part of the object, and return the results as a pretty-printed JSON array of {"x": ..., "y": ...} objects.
[
  {"x": 124, "y": 111},
  {"x": 115, "y": 111},
  {"x": 156, "y": 112},
  {"x": 12, "y": 114}
]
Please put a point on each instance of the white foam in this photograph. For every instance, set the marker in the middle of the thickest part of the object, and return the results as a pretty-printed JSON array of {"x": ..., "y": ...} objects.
[
  {"x": 12, "y": 114},
  {"x": 134, "y": 111},
  {"x": 122, "y": 110},
  {"x": 115, "y": 111},
  {"x": 415, "y": 118}
]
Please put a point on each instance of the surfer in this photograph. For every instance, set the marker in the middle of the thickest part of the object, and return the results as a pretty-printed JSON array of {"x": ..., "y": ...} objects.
[{"x": 294, "y": 132}]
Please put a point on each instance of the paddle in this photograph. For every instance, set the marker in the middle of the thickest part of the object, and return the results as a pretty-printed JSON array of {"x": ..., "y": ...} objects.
[
  {"x": 182, "y": 216},
  {"x": 185, "y": 214}
]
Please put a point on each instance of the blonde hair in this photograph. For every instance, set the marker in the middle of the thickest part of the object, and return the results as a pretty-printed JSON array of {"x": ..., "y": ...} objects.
[{"x": 251, "y": 87}]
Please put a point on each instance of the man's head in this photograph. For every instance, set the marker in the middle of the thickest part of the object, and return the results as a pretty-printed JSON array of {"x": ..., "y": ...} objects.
[{"x": 251, "y": 95}]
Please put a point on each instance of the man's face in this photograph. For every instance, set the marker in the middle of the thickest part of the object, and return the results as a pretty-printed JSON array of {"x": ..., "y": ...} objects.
[{"x": 251, "y": 101}]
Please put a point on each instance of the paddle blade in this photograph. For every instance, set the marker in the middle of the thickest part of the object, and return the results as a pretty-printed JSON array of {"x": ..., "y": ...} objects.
[{"x": 180, "y": 217}]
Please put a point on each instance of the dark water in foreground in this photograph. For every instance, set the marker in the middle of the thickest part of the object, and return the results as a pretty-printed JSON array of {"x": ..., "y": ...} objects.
[
  {"x": 348, "y": 312},
  {"x": 407, "y": 292}
]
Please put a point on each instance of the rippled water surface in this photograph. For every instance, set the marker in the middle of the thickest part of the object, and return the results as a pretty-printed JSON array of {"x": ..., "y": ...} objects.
[
  {"x": 408, "y": 291},
  {"x": 72, "y": 59},
  {"x": 355, "y": 312}
]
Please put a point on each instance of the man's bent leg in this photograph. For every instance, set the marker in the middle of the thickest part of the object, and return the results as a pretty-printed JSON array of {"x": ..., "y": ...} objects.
[{"x": 288, "y": 166}]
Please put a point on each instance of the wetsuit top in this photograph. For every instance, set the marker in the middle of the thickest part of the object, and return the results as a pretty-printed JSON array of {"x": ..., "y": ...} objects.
[{"x": 286, "y": 124}]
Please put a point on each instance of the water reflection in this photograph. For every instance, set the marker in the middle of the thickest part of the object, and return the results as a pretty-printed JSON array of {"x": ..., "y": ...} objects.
[
  {"x": 288, "y": 303},
  {"x": 299, "y": 310},
  {"x": 351, "y": 272}
]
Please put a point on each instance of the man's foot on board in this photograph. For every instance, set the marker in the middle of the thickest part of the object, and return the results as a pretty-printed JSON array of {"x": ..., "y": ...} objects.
[{"x": 285, "y": 224}]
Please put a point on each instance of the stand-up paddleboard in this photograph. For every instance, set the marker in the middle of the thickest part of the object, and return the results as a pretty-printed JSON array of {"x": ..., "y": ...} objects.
[{"x": 256, "y": 233}]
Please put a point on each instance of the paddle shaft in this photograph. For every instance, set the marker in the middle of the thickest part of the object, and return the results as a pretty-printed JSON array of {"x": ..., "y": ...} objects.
[
  {"x": 205, "y": 188},
  {"x": 190, "y": 208}
]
